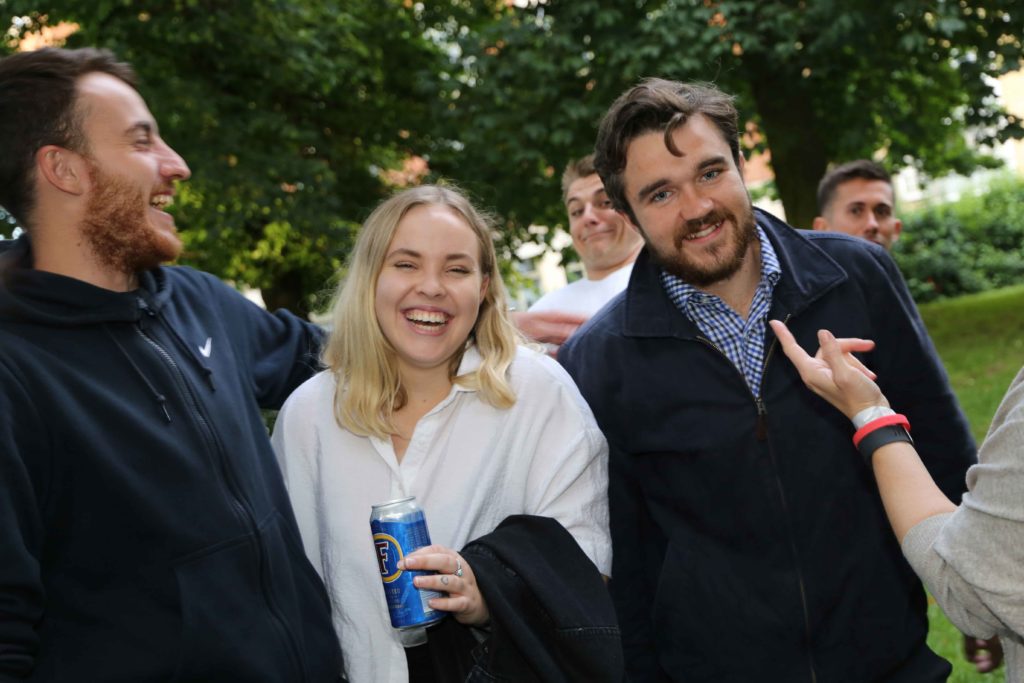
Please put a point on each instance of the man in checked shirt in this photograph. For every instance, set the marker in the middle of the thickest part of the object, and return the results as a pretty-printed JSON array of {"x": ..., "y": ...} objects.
[{"x": 749, "y": 540}]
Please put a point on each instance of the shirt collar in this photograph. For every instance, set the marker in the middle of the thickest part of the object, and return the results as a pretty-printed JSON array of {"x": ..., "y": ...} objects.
[{"x": 471, "y": 362}]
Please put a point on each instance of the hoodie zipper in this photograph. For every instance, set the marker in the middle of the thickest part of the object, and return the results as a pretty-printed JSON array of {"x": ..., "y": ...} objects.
[
  {"x": 239, "y": 504},
  {"x": 761, "y": 433}
]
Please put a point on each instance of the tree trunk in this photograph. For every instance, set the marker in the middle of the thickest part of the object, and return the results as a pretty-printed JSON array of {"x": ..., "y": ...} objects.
[
  {"x": 287, "y": 291},
  {"x": 794, "y": 136}
]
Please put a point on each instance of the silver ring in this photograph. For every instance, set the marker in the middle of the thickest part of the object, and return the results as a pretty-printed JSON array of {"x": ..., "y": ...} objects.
[
  {"x": 458, "y": 568},
  {"x": 444, "y": 580}
]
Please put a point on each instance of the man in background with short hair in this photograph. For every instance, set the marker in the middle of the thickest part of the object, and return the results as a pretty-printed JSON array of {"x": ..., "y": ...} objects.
[
  {"x": 605, "y": 240},
  {"x": 857, "y": 198}
]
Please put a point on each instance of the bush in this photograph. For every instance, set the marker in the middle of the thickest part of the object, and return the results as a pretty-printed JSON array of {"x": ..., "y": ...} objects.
[{"x": 968, "y": 246}]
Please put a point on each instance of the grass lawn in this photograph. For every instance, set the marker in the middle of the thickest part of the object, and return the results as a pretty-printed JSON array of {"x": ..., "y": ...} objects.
[{"x": 981, "y": 341}]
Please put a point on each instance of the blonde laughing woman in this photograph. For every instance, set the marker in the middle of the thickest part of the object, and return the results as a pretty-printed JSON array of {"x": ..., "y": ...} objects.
[{"x": 429, "y": 393}]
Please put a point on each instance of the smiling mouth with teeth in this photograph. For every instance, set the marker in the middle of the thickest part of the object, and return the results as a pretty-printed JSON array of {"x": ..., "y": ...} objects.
[
  {"x": 703, "y": 233},
  {"x": 161, "y": 201},
  {"x": 427, "y": 318}
]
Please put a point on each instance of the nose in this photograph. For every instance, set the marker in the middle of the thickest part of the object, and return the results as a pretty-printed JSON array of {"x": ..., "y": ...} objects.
[
  {"x": 589, "y": 214},
  {"x": 871, "y": 225},
  {"x": 693, "y": 204},
  {"x": 172, "y": 166},
  {"x": 430, "y": 284}
]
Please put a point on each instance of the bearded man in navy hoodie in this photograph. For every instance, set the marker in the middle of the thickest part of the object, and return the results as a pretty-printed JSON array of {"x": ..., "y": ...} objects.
[{"x": 145, "y": 533}]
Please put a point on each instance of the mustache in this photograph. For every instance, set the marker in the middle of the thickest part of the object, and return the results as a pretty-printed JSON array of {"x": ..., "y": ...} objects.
[{"x": 697, "y": 224}]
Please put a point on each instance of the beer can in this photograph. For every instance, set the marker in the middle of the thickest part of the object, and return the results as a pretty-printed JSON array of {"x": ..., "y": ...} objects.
[{"x": 399, "y": 528}]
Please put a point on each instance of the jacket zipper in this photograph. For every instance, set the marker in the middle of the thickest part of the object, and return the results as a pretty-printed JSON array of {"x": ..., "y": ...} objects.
[
  {"x": 761, "y": 433},
  {"x": 238, "y": 502}
]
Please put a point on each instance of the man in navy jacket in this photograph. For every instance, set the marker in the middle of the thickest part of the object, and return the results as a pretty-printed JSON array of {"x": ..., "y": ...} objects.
[
  {"x": 145, "y": 532},
  {"x": 749, "y": 540}
]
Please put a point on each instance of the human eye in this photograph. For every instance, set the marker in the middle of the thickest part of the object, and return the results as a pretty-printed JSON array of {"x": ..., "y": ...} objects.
[
  {"x": 710, "y": 174},
  {"x": 605, "y": 204},
  {"x": 883, "y": 211},
  {"x": 460, "y": 269},
  {"x": 575, "y": 213},
  {"x": 856, "y": 210},
  {"x": 403, "y": 265},
  {"x": 659, "y": 196}
]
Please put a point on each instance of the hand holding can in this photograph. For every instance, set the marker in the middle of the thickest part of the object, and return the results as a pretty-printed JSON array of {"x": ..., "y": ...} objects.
[
  {"x": 456, "y": 578},
  {"x": 399, "y": 528}
]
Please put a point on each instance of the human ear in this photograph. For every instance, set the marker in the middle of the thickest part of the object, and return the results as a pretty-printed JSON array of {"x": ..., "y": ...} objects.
[
  {"x": 820, "y": 223},
  {"x": 62, "y": 168}
]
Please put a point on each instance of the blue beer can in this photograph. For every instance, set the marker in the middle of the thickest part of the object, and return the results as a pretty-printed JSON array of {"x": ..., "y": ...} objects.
[{"x": 399, "y": 528}]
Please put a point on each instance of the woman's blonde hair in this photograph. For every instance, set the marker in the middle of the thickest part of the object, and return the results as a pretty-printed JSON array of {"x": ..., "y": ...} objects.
[{"x": 364, "y": 362}]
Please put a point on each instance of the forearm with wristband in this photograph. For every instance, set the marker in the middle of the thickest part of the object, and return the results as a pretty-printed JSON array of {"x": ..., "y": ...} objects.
[{"x": 877, "y": 426}]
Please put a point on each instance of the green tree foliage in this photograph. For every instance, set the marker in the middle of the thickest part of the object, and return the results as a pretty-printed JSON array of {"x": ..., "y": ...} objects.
[
  {"x": 972, "y": 245},
  {"x": 7, "y": 221},
  {"x": 286, "y": 112},
  {"x": 8, "y": 224},
  {"x": 825, "y": 81}
]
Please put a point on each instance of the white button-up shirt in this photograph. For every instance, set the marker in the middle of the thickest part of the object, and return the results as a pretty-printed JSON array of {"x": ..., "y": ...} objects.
[{"x": 469, "y": 465}]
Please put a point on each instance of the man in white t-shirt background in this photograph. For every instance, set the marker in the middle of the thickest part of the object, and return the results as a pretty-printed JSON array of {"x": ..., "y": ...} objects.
[{"x": 605, "y": 240}]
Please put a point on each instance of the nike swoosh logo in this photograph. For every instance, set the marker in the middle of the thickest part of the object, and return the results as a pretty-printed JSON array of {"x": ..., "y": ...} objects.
[{"x": 206, "y": 348}]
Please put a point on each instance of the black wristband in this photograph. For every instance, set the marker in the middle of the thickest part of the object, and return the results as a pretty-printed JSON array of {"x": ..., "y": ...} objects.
[{"x": 880, "y": 437}]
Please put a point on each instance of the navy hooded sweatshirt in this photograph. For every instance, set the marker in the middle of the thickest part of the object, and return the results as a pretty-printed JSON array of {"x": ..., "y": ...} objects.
[{"x": 145, "y": 532}]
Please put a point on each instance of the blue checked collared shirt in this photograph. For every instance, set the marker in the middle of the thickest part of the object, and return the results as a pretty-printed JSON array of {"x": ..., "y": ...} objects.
[{"x": 741, "y": 340}]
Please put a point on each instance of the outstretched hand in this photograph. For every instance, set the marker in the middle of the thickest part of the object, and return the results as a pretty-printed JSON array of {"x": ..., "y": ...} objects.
[
  {"x": 833, "y": 373},
  {"x": 547, "y": 327},
  {"x": 455, "y": 577}
]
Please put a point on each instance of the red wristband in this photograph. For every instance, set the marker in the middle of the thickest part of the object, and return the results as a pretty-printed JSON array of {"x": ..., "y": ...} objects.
[{"x": 878, "y": 423}]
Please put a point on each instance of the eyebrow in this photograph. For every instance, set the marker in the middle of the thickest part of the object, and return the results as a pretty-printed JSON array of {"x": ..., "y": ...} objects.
[
  {"x": 141, "y": 126},
  {"x": 402, "y": 251},
  {"x": 650, "y": 187},
  {"x": 712, "y": 161}
]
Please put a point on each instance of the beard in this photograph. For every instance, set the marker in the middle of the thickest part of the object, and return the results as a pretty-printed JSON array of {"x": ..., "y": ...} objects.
[
  {"x": 721, "y": 261},
  {"x": 117, "y": 228}
]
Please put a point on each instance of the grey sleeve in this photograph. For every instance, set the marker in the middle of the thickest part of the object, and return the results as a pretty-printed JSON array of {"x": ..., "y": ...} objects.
[{"x": 972, "y": 560}]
